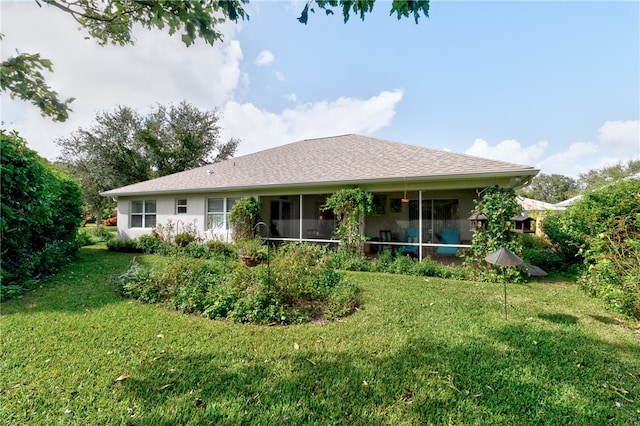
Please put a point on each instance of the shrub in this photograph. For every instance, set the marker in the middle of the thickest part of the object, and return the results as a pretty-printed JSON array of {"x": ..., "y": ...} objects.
[
  {"x": 112, "y": 221},
  {"x": 245, "y": 214},
  {"x": 221, "y": 249},
  {"x": 124, "y": 245},
  {"x": 41, "y": 208},
  {"x": 84, "y": 239},
  {"x": 603, "y": 228},
  {"x": 184, "y": 238},
  {"x": 89, "y": 236},
  {"x": 194, "y": 249},
  {"x": 538, "y": 251},
  {"x": 567, "y": 241},
  {"x": 297, "y": 286},
  {"x": 153, "y": 244}
]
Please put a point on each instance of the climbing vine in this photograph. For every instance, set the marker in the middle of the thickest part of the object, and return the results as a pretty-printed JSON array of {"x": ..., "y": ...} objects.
[
  {"x": 499, "y": 205},
  {"x": 350, "y": 207}
]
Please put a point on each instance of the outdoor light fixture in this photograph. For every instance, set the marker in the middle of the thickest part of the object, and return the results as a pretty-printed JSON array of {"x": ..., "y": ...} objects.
[
  {"x": 405, "y": 199},
  {"x": 504, "y": 257}
]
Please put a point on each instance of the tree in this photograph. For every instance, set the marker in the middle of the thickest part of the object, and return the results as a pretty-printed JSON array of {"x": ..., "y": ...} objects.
[
  {"x": 21, "y": 76},
  {"x": 112, "y": 22},
  {"x": 595, "y": 179},
  {"x": 124, "y": 147},
  {"x": 401, "y": 8},
  {"x": 551, "y": 188}
]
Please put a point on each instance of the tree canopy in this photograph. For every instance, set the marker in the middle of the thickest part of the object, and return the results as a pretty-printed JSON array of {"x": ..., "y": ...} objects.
[
  {"x": 124, "y": 147},
  {"x": 555, "y": 188},
  {"x": 112, "y": 22},
  {"x": 552, "y": 188}
]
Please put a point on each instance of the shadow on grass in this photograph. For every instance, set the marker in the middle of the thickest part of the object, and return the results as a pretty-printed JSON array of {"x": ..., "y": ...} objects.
[
  {"x": 82, "y": 286},
  {"x": 516, "y": 374},
  {"x": 607, "y": 320},
  {"x": 559, "y": 318}
]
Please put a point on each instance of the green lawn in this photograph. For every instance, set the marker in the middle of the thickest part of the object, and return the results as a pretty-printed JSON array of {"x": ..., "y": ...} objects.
[{"x": 420, "y": 351}]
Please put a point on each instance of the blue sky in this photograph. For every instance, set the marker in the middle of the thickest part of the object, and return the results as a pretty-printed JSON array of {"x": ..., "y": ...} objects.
[{"x": 554, "y": 85}]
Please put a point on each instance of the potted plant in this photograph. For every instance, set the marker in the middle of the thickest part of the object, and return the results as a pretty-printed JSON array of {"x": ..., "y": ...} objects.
[{"x": 252, "y": 251}]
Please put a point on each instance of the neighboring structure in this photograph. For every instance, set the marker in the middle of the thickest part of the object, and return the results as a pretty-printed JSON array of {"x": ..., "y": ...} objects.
[
  {"x": 416, "y": 190},
  {"x": 531, "y": 206}
]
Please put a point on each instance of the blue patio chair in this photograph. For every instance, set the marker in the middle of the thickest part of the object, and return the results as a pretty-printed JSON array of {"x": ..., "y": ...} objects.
[
  {"x": 411, "y": 235},
  {"x": 449, "y": 236}
]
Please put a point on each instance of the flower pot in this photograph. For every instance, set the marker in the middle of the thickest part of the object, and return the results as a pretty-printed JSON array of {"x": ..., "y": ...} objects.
[{"x": 249, "y": 261}]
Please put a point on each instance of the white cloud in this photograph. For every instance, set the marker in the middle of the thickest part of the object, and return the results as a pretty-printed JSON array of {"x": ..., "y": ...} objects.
[
  {"x": 265, "y": 58},
  {"x": 291, "y": 97},
  {"x": 623, "y": 137},
  {"x": 158, "y": 69},
  {"x": 618, "y": 142},
  {"x": 509, "y": 150},
  {"x": 579, "y": 158},
  {"x": 259, "y": 129},
  {"x": 279, "y": 75}
]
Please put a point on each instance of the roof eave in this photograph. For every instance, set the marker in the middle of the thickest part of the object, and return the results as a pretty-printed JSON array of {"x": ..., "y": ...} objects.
[{"x": 519, "y": 178}]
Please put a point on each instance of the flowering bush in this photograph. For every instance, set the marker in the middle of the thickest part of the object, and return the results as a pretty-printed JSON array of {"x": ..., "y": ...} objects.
[{"x": 112, "y": 221}]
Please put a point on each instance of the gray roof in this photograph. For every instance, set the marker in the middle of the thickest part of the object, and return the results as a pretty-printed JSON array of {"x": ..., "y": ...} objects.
[
  {"x": 531, "y": 205},
  {"x": 346, "y": 159}
]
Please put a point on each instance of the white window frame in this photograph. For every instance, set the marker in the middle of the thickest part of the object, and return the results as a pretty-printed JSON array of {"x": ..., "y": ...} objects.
[
  {"x": 222, "y": 224},
  {"x": 146, "y": 214},
  {"x": 184, "y": 205}
]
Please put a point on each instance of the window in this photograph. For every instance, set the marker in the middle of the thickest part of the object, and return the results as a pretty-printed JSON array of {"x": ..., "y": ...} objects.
[
  {"x": 181, "y": 206},
  {"x": 143, "y": 214},
  {"x": 218, "y": 210}
]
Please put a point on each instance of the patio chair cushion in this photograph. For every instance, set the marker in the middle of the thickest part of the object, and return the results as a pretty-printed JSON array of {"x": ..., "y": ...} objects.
[
  {"x": 449, "y": 236},
  {"x": 411, "y": 235}
]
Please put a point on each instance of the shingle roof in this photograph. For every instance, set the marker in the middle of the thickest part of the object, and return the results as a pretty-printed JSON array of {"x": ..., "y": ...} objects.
[{"x": 338, "y": 159}]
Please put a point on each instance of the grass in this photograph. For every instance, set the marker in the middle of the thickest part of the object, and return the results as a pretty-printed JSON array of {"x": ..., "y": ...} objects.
[{"x": 420, "y": 351}]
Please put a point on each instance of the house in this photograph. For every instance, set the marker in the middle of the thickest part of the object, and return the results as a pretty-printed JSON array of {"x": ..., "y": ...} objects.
[{"x": 418, "y": 191}]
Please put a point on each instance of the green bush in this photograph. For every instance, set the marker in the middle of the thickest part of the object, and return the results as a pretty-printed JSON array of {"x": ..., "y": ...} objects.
[
  {"x": 183, "y": 239},
  {"x": 84, "y": 238},
  {"x": 221, "y": 249},
  {"x": 295, "y": 287},
  {"x": 603, "y": 229},
  {"x": 244, "y": 216},
  {"x": 152, "y": 244},
  {"x": 567, "y": 241},
  {"x": 195, "y": 250},
  {"x": 538, "y": 251},
  {"x": 94, "y": 235},
  {"x": 41, "y": 208},
  {"x": 124, "y": 245}
]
